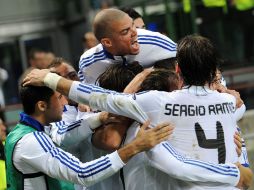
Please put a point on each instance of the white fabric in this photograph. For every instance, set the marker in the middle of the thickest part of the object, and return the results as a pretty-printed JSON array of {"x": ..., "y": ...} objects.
[
  {"x": 36, "y": 152},
  {"x": 62, "y": 132},
  {"x": 51, "y": 80},
  {"x": 74, "y": 138},
  {"x": 88, "y": 152},
  {"x": 154, "y": 46},
  {"x": 207, "y": 108}
]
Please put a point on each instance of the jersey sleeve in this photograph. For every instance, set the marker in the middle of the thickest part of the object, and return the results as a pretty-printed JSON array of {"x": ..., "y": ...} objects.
[
  {"x": 62, "y": 134},
  {"x": 182, "y": 167},
  {"x": 165, "y": 158},
  {"x": 106, "y": 100},
  {"x": 47, "y": 158},
  {"x": 82, "y": 67},
  {"x": 160, "y": 45},
  {"x": 239, "y": 112},
  {"x": 89, "y": 57},
  {"x": 243, "y": 159}
]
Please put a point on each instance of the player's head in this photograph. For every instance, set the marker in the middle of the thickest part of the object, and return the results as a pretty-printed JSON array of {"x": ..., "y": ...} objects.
[
  {"x": 197, "y": 60},
  {"x": 63, "y": 68},
  {"x": 169, "y": 64},
  {"x": 89, "y": 40},
  {"x": 115, "y": 30},
  {"x": 137, "y": 18},
  {"x": 37, "y": 58},
  {"x": 162, "y": 80},
  {"x": 42, "y": 102},
  {"x": 118, "y": 76}
]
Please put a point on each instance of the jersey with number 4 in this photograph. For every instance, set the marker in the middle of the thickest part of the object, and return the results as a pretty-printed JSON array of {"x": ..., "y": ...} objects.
[
  {"x": 205, "y": 124},
  {"x": 204, "y": 119}
]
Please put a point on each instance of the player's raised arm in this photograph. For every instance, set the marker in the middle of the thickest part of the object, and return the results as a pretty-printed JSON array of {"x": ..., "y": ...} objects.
[{"x": 43, "y": 77}]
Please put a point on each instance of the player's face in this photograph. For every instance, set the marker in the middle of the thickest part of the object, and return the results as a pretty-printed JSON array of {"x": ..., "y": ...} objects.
[
  {"x": 124, "y": 38},
  {"x": 139, "y": 23},
  {"x": 55, "y": 108},
  {"x": 65, "y": 71}
]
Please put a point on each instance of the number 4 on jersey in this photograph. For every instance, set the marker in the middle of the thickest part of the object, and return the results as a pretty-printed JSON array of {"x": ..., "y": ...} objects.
[{"x": 218, "y": 143}]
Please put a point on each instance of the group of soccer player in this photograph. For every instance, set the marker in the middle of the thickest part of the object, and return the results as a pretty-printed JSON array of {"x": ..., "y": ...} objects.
[{"x": 201, "y": 152}]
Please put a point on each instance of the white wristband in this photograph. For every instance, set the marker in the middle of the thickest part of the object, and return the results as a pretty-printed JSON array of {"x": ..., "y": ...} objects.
[
  {"x": 51, "y": 80},
  {"x": 94, "y": 121}
]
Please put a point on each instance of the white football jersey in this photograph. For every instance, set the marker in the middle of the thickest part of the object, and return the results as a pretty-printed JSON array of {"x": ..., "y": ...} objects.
[
  {"x": 88, "y": 152},
  {"x": 205, "y": 125},
  {"x": 154, "y": 46}
]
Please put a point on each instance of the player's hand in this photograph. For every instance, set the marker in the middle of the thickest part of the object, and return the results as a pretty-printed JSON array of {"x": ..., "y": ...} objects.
[
  {"x": 134, "y": 85},
  {"x": 84, "y": 108},
  {"x": 238, "y": 143},
  {"x": 148, "y": 138},
  {"x": 35, "y": 77},
  {"x": 245, "y": 178},
  {"x": 239, "y": 101}
]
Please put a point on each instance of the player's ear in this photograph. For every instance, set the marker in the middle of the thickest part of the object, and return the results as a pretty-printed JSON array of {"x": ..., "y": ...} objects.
[
  {"x": 177, "y": 69},
  {"x": 42, "y": 106},
  {"x": 106, "y": 42}
]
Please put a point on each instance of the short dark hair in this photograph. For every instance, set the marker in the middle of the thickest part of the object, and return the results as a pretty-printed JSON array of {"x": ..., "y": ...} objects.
[
  {"x": 118, "y": 76},
  {"x": 30, "y": 95},
  {"x": 197, "y": 59},
  {"x": 162, "y": 80},
  {"x": 169, "y": 64},
  {"x": 102, "y": 22},
  {"x": 58, "y": 61},
  {"x": 131, "y": 12}
]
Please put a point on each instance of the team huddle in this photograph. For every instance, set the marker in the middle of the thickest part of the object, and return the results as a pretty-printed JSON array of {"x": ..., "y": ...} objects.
[{"x": 147, "y": 127}]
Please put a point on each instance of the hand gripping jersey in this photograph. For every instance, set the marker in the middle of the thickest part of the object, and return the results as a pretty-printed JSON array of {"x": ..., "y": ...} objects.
[
  {"x": 205, "y": 124},
  {"x": 153, "y": 47}
]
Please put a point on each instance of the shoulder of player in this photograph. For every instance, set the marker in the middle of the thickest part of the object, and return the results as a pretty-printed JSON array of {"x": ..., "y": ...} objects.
[
  {"x": 34, "y": 141},
  {"x": 90, "y": 53},
  {"x": 152, "y": 93},
  {"x": 92, "y": 56},
  {"x": 226, "y": 96},
  {"x": 150, "y": 35}
]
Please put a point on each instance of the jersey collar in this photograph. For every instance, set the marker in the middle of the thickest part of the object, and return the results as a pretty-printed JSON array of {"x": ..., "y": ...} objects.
[
  {"x": 198, "y": 90},
  {"x": 28, "y": 120},
  {"x": 107, "y": 54},
  {"x": 119, "y": 58}
]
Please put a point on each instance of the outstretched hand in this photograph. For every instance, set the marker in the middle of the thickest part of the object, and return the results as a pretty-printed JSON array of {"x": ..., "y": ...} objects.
[{"x": 35, "y": 77}]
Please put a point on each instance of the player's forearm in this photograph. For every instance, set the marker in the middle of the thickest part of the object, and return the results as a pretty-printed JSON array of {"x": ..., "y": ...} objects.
[
  {"x": 63, "y": 86},
  {"x": 52, "y": 161},
  {"x": 246, "y": 177},
  {"x": 79, "y": 92},
  {"x": 128, "y": 151},
  {"x": 106, "y": 100},
  {"x": 55, "y": 82}
]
